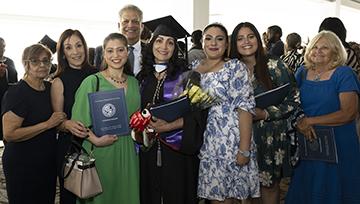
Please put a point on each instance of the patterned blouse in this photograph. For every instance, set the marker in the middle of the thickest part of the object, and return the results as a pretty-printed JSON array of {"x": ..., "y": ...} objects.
[
  {"x": 352, "y": 61},
  {"x": 293, "y": 60}
]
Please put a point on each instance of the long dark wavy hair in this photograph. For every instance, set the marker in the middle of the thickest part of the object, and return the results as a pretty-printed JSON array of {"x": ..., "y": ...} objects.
[
  {"x": 175, "y": 64},
  {"x": 62, "y": 61},
  {"x": 117, "y": 36},
  {"x": 261, "y": 71}
]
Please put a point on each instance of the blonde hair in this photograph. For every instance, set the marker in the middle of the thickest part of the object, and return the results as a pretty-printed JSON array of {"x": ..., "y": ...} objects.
[{"x": 335, "y": 45}]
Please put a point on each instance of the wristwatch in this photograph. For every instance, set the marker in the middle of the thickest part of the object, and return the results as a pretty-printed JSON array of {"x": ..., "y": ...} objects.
[{"x": 244, "y": 153}]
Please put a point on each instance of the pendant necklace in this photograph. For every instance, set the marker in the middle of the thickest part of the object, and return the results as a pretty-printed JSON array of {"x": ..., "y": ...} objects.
[{"x": 317, "y": 76}]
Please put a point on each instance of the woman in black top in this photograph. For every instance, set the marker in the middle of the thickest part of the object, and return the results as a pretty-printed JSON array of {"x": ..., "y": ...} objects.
[
  {"x": 73, "y": 67},
  {"x": 29, "y": 158}
]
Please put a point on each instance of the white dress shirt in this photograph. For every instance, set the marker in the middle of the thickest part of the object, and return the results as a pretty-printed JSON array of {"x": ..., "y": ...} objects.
[{"x": 137, "y": 57}]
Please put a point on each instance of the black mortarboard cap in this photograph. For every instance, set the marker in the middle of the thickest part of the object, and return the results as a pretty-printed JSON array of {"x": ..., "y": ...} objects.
[
  {"x": 48, "y": 42},
  {"x": 167, "y": 26}
]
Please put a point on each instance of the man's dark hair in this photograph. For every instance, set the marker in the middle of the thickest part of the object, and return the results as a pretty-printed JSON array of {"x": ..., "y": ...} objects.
[
  {"x": 196, "y": 37},
  {"x": 276, "y": 30}
]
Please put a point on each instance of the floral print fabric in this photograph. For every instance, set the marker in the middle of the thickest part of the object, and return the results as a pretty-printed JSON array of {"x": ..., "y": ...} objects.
[
  {"x": 273, "y": 147},
  {"x": 219, "y": 175}
]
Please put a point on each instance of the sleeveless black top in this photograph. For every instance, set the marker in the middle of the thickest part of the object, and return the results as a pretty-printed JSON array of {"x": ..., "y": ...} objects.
[{"x": 71, "y": 79}]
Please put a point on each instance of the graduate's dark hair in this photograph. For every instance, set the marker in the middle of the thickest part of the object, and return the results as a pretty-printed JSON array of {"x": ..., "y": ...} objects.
[{"x": 175, "y": 64}]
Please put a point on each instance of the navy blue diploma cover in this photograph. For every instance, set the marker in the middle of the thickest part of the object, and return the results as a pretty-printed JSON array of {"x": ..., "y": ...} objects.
[
  {"x": 272, "y": 97},
  {"x": 323, "y": 148},
  {"x": 109, "y": 113},
  {"x": 172, "y": 110}
]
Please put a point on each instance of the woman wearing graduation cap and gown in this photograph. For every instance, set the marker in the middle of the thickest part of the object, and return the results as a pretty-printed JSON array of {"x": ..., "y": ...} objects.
[{"x": 168, "y": 175}]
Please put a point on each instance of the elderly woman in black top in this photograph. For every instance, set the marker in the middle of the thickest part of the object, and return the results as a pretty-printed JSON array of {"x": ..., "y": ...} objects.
[{"x": 29, "y": 158}]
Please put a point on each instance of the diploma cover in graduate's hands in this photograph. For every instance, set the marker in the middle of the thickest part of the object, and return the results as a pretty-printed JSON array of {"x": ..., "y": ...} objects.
[
  {"x": 109, "y": 112},
  {"x": 171, "y": 110},
  {"x": 272, "y": 97},
  {"x": 323, "y": 148}
]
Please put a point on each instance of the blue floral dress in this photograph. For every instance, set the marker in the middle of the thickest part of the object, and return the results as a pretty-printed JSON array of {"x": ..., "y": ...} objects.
[{"x": 219, "y": 175}]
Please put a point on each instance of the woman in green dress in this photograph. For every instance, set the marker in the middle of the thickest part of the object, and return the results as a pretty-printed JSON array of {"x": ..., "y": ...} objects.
[{"x": 116, "y": 157}]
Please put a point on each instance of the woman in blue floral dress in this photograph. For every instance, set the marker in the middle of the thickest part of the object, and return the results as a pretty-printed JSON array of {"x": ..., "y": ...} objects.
[
  {"x": 228, "y": 169},
  {"x": 270, "y": 123}
]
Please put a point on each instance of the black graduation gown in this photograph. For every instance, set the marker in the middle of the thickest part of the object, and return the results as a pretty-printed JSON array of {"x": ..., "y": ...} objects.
[{"x": 175, "y": 182}]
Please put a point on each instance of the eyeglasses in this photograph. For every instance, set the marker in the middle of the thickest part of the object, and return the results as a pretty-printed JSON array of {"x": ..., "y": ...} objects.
[{"x": 36, "y": 62}]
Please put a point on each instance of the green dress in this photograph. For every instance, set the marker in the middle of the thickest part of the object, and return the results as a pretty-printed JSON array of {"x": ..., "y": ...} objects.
[{"x": 117, "y": 164}]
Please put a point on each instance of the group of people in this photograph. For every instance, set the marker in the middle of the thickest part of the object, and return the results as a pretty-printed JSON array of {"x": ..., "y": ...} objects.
[{"x": 231, "y": 151}]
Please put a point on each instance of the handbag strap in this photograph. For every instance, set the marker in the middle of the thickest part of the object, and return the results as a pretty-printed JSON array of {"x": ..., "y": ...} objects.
[
  {"x": 96, "y": 90},
  {"x": 79, "y": 149},
  {"x": 97, "y": 83},
  {"x": 76, "y": 145}
]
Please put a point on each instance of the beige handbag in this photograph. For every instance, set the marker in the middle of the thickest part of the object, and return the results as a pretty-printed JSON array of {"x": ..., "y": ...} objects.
[{"x": 80, "y": 175}]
